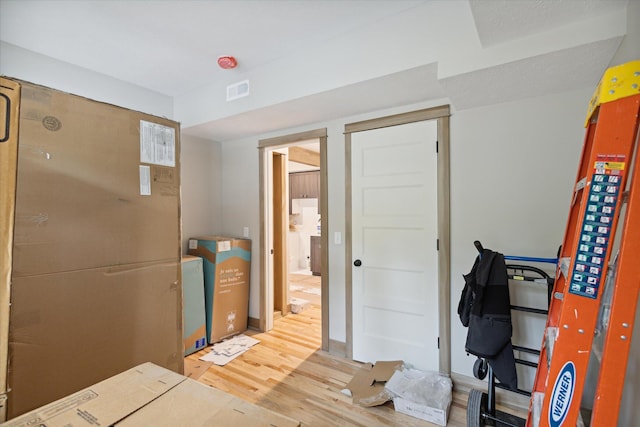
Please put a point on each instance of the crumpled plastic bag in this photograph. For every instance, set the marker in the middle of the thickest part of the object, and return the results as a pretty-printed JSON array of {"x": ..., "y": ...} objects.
[{"x": 427, "y": 388}]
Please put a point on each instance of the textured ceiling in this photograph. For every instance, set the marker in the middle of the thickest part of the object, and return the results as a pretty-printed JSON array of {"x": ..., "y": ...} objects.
[
  {"x": 499, "y": 21},
  {"x": 492, "y": 50},
  {"x": 554, "y": 72}
]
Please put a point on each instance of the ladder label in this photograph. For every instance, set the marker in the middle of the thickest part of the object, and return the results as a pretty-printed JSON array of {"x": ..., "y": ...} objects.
[
  {"x": 596, "y": 225},
  {"x": 562, "y": 394}
]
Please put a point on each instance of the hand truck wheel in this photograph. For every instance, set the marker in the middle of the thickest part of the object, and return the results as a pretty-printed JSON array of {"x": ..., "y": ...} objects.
[
  {"x": 480, "y": 368},
  {"x": 476, "y": 406}
]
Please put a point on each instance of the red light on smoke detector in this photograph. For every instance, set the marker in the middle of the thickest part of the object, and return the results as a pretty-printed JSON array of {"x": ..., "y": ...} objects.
[{"x": 227, "y": 62}]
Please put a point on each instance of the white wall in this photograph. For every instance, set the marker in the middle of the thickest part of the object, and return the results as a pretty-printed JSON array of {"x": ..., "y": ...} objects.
[
  {"x": 200, "y": 185},
  {"x": 629, "y": 49},
  {"x": 513, "y": 167},
  {"x": 240, "y": 195},
  {"x": 512, "y": 170},
  {"x": 43, "y": 70}
]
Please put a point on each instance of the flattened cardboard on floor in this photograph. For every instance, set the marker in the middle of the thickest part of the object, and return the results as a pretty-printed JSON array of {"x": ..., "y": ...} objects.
[
  {"x": 367, "y": 385},
  {"x": 148, "y": 395}
]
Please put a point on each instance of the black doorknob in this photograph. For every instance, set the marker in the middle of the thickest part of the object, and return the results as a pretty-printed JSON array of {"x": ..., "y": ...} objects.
[{"x": 357, "y": 263}]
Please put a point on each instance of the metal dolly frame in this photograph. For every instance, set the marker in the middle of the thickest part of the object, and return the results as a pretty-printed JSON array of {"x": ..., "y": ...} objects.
[{"x": 481, "y": 406}]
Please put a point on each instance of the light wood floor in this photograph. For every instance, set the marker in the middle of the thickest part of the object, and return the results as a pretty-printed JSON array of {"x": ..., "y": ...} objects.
[{"x": 289, "y": 374}]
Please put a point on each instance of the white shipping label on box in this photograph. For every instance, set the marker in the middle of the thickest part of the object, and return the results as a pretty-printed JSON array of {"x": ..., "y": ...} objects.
[
  {"x": 224, "y": 246},
  {"x": 157, "y": 144},
  {"x": 193, "y": 244},
  {"x": 424, "y": 412},
  {"x": 145, "y": 180}
]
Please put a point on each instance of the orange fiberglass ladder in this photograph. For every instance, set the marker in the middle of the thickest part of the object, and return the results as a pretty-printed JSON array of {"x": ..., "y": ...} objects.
[{"x": 594, "y": 299}]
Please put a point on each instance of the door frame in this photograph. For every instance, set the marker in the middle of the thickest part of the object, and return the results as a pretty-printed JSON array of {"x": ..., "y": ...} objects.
[
  {"x": 280, "y": 229},
  {"x": 265, "y": 146},
  {"x": 441, "y": 115}
]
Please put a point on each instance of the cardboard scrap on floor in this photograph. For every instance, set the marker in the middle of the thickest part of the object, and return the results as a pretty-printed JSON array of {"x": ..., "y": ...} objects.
[
  {"x": 225, "y": 351},
  {"x": 367, "y": 385},
  {"x": 194, "y": 369},
  {"x": 424, "y": 395}
]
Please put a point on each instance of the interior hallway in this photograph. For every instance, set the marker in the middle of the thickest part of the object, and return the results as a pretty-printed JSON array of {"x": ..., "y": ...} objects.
[{"x": 303, "y": 285}]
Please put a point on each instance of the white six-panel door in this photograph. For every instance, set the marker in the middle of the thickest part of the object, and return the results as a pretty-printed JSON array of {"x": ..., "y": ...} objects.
[{"x": 394, "y": 233}]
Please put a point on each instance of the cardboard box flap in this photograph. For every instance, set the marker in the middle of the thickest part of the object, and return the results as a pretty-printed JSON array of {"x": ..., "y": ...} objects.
[
  {"x": 367, "y": 385},
  {"x": 106, "y": 402},
  {"x": 195, "y": 404}
]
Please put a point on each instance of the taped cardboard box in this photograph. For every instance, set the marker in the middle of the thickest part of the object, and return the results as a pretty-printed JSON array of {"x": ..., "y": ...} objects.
[
  {"x": 94, "y": 278},
  {"x": 421, "y": 394},
  {"x": 97, "y": 185},
  {"x": 83, "y": 326},
  {"x": 149, "y": 395},
  {"x": 227, "y": 268}
]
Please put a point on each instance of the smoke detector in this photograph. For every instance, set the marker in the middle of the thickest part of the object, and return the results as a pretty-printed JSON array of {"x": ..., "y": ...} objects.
[{"x": 227, "y": 62}]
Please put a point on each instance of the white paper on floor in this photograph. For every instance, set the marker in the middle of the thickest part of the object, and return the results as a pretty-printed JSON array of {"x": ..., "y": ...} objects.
[{"x": 225, "y": 351}]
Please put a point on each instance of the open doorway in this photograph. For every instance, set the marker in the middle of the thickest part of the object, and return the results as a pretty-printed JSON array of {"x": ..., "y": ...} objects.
[
  {"x": 304, "y": 235},
  {"x": 293, "y": 261}
]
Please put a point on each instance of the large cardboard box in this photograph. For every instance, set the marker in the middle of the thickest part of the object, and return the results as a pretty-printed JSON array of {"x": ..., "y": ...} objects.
[
  {"x": 194, "y": 319},
  {"x": 148, "y": 395},
  {"x": 227, "y": 267},
  {"x": 94, "y": 276}
]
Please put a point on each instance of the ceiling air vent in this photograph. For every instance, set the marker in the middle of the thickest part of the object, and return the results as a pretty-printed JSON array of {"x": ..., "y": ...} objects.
[{"x": 237, "y": 90}]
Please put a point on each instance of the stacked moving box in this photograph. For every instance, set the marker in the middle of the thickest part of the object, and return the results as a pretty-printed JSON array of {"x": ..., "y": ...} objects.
[
  {"x": 194, "y": 324},
  {"x": 227, "y": 267}
]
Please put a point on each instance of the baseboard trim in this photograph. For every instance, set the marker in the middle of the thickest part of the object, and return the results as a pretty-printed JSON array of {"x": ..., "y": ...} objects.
[
  {"x": 463, "y": 384},
  {"x": 338, "y": 348},
  {"x": 254, "y": 323}
]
